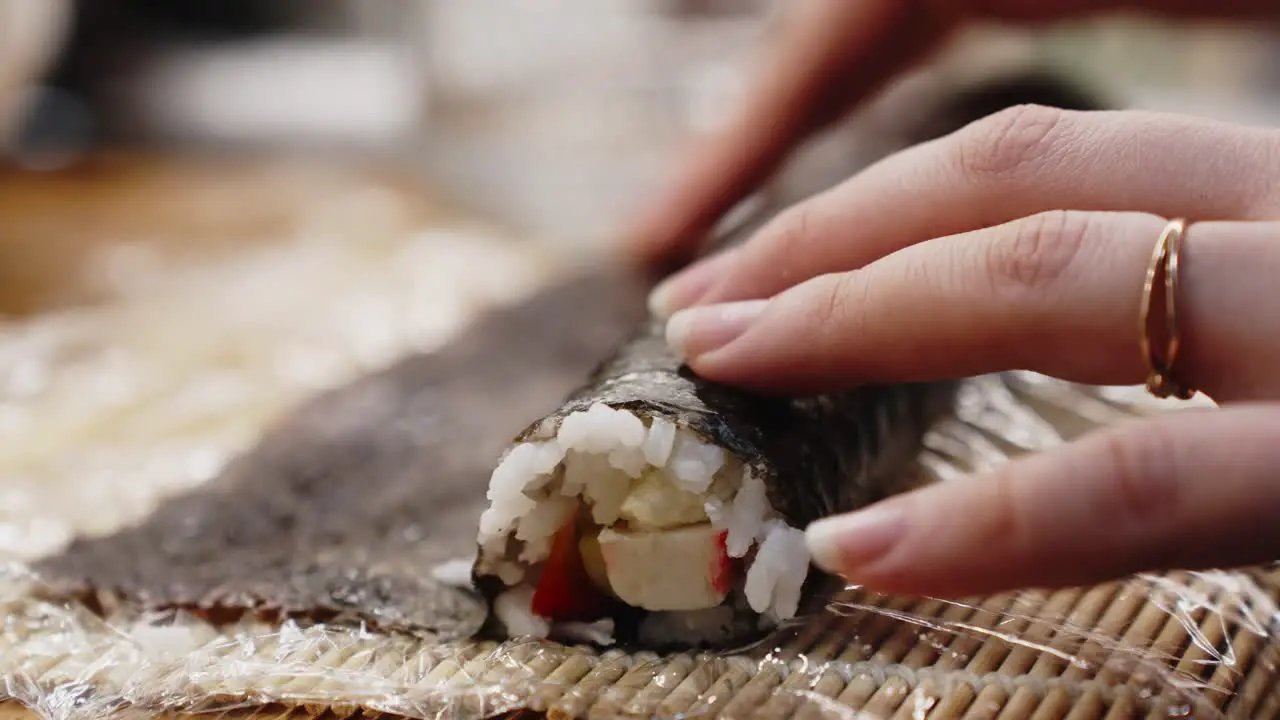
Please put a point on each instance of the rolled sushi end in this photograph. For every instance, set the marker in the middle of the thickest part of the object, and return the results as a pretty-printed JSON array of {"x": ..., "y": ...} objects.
[{"x": 608, "y": 515}]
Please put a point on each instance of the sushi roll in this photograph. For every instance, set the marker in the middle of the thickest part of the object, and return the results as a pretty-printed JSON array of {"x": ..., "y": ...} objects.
[{"x": 657, "y": 508}]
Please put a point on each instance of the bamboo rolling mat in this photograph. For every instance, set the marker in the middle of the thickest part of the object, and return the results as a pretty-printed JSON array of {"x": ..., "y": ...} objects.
[{"x": 1139, "y": 649}]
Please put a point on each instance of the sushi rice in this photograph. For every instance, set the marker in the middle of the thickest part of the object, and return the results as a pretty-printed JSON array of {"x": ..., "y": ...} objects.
[{"x": 660, "y": 496}]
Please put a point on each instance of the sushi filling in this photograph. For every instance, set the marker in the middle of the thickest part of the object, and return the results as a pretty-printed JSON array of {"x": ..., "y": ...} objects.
[{"x": 610, "y": 510}]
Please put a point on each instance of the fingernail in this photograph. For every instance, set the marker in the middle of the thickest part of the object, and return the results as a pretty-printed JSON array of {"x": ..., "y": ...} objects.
[
  {"x": 684, "y": 288},
  {"x": 842, "y": 544},
  {"x": 700, "y": 330}
]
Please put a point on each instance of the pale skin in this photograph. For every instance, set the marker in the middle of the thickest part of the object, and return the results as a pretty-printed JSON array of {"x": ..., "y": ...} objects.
[{"x": 1019, "y": 242}]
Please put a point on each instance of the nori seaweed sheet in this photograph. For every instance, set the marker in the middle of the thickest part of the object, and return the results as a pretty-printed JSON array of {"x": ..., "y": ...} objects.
[{"x": 345, "y": 507}]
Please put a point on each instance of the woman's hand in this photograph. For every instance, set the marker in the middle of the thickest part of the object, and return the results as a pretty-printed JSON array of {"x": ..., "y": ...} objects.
[
  {"x": 955, "y": 258},
  {"x": 831, "y": 55}
]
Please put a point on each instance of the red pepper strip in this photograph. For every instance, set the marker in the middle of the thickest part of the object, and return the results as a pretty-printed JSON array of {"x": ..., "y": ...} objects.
[
  {"x": 565, "y": 592},
  {"x": 722, "y": 567}
]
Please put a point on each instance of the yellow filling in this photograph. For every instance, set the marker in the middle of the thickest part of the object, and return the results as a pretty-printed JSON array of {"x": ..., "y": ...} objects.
[
  {"x": 593, "y": 561},
  {"x": 656, "y": 504}
]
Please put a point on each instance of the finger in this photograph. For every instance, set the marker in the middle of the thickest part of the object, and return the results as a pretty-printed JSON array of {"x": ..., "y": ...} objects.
[
  {"x": 1190, "y": 490},
  {"x": 1057, "y": 293},
  {"x": 831, "y": 57},
  {"x": 1015, "y": 163}
]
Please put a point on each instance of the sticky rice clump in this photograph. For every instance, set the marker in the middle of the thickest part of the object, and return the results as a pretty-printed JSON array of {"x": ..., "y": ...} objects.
[{"x": 642, "y": 512}]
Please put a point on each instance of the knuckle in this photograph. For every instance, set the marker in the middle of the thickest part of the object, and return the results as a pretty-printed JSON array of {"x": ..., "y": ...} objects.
[
  {"x": 1009, "y": 141},
  {"x": 1143, "y": 468},
  {"x": 1037, "y": 251},
  {"x": 1003, "y": 526},
  {"x": 787, "y": 237},
  {"x": 831, "y": 309}
]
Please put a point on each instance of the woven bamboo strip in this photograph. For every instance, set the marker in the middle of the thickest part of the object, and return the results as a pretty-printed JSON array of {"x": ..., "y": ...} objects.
[
  {"x": 578, "y": 699},
  {"x": 1020, "y": 656},
  {"x": 953, "y": 662},
  {"x": 992, "y": 652},
  {"x": 1082, "y": 654},
  {"x": 380, "y": 661},
  {"x": 895, "y": 691},
  {"x": 853, "y": 641},
  {"x": 1121, "y": 631}
]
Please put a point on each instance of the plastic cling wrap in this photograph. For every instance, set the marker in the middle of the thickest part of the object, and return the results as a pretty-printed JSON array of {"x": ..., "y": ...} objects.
[{"x": 1177, "y": 645}]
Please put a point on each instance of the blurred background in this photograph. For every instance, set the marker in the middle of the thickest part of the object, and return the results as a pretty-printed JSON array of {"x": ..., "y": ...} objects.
[
  {"x": 210, "y": 208},
  {"x": 554, "y": 117}
]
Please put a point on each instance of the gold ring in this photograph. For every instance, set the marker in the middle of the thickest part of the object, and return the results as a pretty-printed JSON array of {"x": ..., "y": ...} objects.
[{"x": 1160, "y": 379}]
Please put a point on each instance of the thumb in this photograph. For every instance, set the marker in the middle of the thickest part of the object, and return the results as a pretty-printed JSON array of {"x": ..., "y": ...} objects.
[{"x": 1190, "y": 490}]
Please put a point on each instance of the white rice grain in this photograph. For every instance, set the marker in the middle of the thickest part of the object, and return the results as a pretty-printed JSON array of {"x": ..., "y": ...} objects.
[
  {"x": 795, "y": 568},
  {"x": 524, "y": 464},
  {"x": 694, "y": 464},
  {"x": 498, "y": 518},
  {"x": 629, "y": 460},
  {"x": 539, "y": 526},
  {"x": 514, "y": 609},
  {"x": 659, "y": 441},
  {"x": 775, "y": 577},
  {"x": 547, "y": 455},
  {"x": 594, "y": 478},
  {"x": 607, "y": 490},
  {"x": 600, "y": 429},
  {"x": 579, "y": 468},
  {"x": 745, "y": 516}
]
